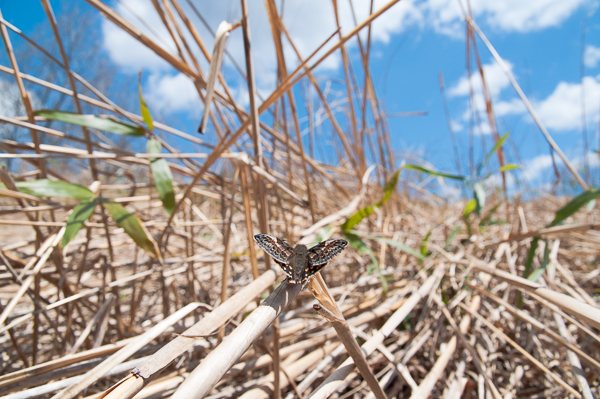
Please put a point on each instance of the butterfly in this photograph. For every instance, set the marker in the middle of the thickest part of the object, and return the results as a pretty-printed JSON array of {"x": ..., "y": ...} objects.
[{"x": 299, "y": 263}]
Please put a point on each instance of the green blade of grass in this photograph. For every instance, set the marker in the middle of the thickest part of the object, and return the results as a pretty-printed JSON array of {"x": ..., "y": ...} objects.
[
  {"x": 509, "y": 167},
  {"x": 133, "y": 227},
  {"x": 531, "y": 256},
  {"x": 432, "y": 172},
  {"x": 54, "y": 188},
  {"x": 77, "y": 218},
  {"x": 92, "y": 121},
  {"x": 367, "y": 211},
  {"x": 491, "y": 152},
  {"x": 574, "y": 205},
  {"x": 144, "y": 110},
  {"x": 470, "y": 207},
  {"x": 163, "y": 179},
  {"x": 424, "y": 247}
]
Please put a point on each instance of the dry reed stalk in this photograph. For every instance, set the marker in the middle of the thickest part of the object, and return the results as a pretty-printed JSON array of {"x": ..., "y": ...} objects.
[
  {"x": 255, "y": 131},
  {"x": 99, "y": 320},
  {"x": 50, "y": 387},
  {"x": 537, "y": 324},
  {"x": 589, "y": 313},
  {"x": 577, "y": 370},
  {"x": 133, "y": 32},
  {"x": 211, "y": 369},
  {"x": 215, "y": 68},
  {"x": 330, "y": 311}
]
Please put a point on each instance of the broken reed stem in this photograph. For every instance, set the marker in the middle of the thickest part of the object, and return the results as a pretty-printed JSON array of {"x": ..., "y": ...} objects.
[
  {"x": 215, "y": 67},
  {"x": 219, "y": 361},
  {"x": 347, "y": 338},
  {"x": 124, "y": 353},
  {"x": 208, "y": 324},
  {"x": 330, "y": 311}
]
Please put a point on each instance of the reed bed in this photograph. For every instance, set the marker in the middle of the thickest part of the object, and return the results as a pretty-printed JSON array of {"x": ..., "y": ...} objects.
[{"x": 133, "y": 273}]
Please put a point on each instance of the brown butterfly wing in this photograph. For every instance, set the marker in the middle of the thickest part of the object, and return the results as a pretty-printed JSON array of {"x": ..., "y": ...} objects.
[
  {"x": 279, "y": 249},
  {"x": 323, "y": 252}
]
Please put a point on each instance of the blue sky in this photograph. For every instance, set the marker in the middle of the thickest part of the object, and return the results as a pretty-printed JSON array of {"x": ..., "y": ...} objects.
[{"x": 544, "y": 42}]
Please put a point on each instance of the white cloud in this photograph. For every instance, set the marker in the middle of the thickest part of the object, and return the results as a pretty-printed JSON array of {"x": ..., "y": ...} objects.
[
  {"x": 562, "y": 109},
  {"x": 506, "y": 15},
  {"x": 540, "y": 166},
  {"x": 534, "y": 168},
  {"x": 126, "y": 51},
  {"x": 456, "y": 126},
  {"x": 172, "y": 93},
  {"x": 510, "y": 107},
  {"x": 591, "y": 56},
  {"x": 496, "y": 82},
  {"x": 494, "y": 76},
  {"x": 309, "y": 23},
  {"x": 592, "y": 159}
]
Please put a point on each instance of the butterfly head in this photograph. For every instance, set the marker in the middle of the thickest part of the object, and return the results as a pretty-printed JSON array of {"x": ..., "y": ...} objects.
[{"x": 301, "y": 249}]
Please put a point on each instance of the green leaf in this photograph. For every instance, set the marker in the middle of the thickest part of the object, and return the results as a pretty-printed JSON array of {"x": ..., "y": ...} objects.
[
  {"x": 144, "y": 110},
  {"x": 531, "y": 256},
  {"x": 92, "y": 121},
  {"x": 54, "y": 188},
  {"x": 77, "y": 218},
  {"x": 509, "y": 167},
  {"x": 133, "y": 227},
  {"x": 424, "y": 248},
  {"x": 574, "y": 205},
  {"x": 491, "y": 152},
  {"x": 479, "y": 195},
  {"x": 367, "y": 211},
  {"x": 389, "y": 188},
  {"x": 163, "y": 179},
  {"x": 432, "y": 172},
  {"x": 470, "y": 207}
]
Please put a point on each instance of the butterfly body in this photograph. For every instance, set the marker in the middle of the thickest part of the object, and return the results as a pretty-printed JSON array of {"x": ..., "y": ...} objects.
[{"x": 299, "y": 263}]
